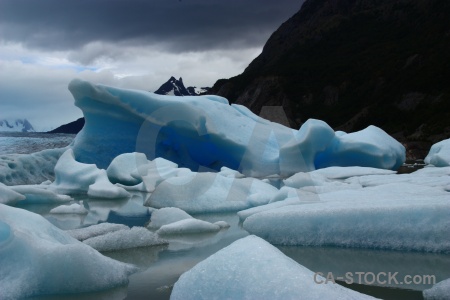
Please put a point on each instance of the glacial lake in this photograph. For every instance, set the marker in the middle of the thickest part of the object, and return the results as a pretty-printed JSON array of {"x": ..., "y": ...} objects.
[{"x": 161, "y": 266}]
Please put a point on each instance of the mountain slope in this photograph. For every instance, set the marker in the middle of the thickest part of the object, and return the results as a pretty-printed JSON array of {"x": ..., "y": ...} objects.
[
  {"x": 176, "y": 87},
  {"x": 72, "y": 127},
  {"x": 353, "y": 63},
  {"x": 18, "y": 125}
]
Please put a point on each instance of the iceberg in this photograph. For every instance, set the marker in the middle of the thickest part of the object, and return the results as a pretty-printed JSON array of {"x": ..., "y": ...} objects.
[
  {"x": 73, "y": 177},
  {"x": 397, "y": 216},
  {"x": 187, "y": 226},
  {"x": 206, "y": 133},
  {"x": 209, "y": 192},
  {"x": 37, "y": 258},
  {"x": 32, "y": 168},
  {"x": 440, "y": 291},
  {"x": 167, "y": 215},
  {"x": 82, "y": 234},
  {"x": 39, "y": 194},
  {"x": 370, "y": 147},
  {"x": 9, "y": 196},
  {"x": 251, "y": 268},
  {"x": 439, "y": 154},
  {"x": 74, "y": 208},
  {"x": 169, "y": 221},
  {"x": 125, "y": 239}
]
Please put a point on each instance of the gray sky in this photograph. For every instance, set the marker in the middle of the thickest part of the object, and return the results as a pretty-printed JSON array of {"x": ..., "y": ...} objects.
[{"x": 133, "y": 44}]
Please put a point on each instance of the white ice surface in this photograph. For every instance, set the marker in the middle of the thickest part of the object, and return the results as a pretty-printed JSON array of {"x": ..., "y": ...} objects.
[
  {"x": 439, "y": 154},
  {"x": 440, "y": 291},
  {"x": 187, "y": 226},
  {"x": 82, "y": 234},
  {"x": 122, "y": 166},
  {"x": 9, "y": 196},
  {"x": 167, "y": 215},
  {"x": 251, "y": 268},
  {"x": 210, "y": 192},
  {"x": 37, "y": 258},
  {"x": 39, "y": 194},
  {"x": 125, "y": 239},
  {"x": 72, "y": 177},
  {"x": 74, "y": 208},
  {"x": 398, "y": 216},
  {"x": 32, "y": 168}
]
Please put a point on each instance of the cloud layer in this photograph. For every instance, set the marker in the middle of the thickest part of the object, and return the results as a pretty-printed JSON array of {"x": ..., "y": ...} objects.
[{"x": 133, "y": 44}]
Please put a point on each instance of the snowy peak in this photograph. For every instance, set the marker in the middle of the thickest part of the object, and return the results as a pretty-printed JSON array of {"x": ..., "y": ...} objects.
[
  {"x": 176, "y": 87},
  {"x": 18, "y": 125}
]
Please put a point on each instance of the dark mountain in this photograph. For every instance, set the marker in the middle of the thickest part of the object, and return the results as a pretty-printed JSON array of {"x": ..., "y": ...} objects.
[
  {"x": 18, "y": 125},
  {"x": 176, "y": 87},
  {"x": 353, "y": 63},
  {"x": 72, "y": 127}
]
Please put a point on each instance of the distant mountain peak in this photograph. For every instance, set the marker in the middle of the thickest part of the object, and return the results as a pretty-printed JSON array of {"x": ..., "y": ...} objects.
[
  {"x": 176, "y": 87},
  {"x": 17, "y": 125}
]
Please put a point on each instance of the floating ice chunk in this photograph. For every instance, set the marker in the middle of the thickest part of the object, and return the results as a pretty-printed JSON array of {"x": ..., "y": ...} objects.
[
  {"x": 9, "y": 196},
  {"x": 209, "y": 192},
  {"x": 301, "y": 179},
  {"x": 74, "y": 208},
  {"x": 73, "y": 177},
  {"x": 82, "y": 234},
  {"x": 125, "y": 239},
  {"x": 227, "y": 172},
  {"x": 370, "y": 147},
  {"x": 37, "y": 258},
  {"x": 103, "y": 188},
  {"x": 298, "y": 154},
  {"x": 391, "y": 216},
  {"x": 32, "y": 168},
  {"x": 244, "y": 214},
  {"x": 430, "y": 176},
  {"x": 222, "y": 224},
  {"x": 346, "y": 172},
  {"x": 122, "y": 166},
  {"x": 167, "y": 215},
  {"x": 440, "y": 291},
  {"x": 439, "y": 154},
  {"x": 187, "y": 226},
  {"x": 40, "y": 194},
  {"x": 251, "y": 268}
]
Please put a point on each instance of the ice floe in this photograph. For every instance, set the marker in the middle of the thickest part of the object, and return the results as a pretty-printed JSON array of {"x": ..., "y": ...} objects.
[
  {"x": 440, "y": 291},
  {"x": 398, "y": 216},
  {"x": 74, "y": 208},
  {"x": 37, "y": 258},
  {"x": 439, "y": 154},
  {"x": 251, "y": 268},
  {"x": 125, "y": 239}
]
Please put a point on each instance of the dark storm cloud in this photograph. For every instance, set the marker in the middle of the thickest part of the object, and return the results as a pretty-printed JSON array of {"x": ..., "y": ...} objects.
[{"x": 187, "y": 25}]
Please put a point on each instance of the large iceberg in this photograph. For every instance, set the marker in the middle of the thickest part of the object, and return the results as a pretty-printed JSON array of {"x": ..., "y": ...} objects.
[
  {"x": 251, "y": 268},
  {"x": 37, "y": 258},
  {"x": 204, "y": 133}
]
